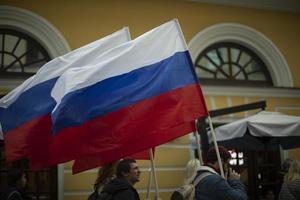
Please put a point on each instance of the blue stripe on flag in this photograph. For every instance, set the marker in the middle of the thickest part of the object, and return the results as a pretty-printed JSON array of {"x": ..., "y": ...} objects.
[
  {"x": 121, "y": 91},
  {"x": 34, "y": 102}
]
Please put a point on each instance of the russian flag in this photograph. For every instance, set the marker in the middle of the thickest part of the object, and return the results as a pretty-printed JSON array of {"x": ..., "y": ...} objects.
[
  {"x": 142, "y": 94},
  {"x": 25, "y": 112}
]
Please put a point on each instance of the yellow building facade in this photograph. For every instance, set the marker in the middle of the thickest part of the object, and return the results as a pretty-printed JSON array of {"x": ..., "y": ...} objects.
[{"x": 61, "y": 26}]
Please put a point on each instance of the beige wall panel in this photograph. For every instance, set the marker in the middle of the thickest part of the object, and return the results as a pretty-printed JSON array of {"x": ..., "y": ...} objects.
[
  {"x": 162, "y": 195},
  {"x": 168, "y": 178},
  {"x": 68, "y": 165},
  {"x": 273, "y": 103},
  {"x": 75, "y": 197},
  {"x": 81, "y": 181},
  {"x": 294, "y": 153},
  {"x": 207, "y": 102},
  {"x": 181, "y": 140},
  {"x": 255, "y": 99},
  {"x": 166, "y": 157},
  {"x": 290, "y": 111},
  {"x": 220, "y": 102},
  {"x": 288, "y": 106},
  {"x": 236, "y": 101}
]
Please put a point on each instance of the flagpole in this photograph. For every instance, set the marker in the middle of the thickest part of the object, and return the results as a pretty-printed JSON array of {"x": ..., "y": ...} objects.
[
  {"x": 216, "y": 146},
  {"x": 149, "y": 184},
  {"x": 154, "y": 174},
  {"x": 198, "y": 143}
]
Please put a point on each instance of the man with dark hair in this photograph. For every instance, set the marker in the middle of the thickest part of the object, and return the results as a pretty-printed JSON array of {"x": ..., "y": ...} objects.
[
  {"x": 121, "y": 188},
  {"x": 212, "y": 186}
]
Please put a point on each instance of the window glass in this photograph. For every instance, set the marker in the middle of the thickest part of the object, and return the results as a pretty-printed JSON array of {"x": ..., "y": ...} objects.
[
  {"x": 20, "y": 54},
  {"x": 228, "y": 63}
]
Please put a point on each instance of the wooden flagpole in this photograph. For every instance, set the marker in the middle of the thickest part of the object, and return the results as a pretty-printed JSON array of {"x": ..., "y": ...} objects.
[
  {"x": 149, "y": 184},
  {"x": 216, "y": 146},
  {"x": 156, "y": 197}
]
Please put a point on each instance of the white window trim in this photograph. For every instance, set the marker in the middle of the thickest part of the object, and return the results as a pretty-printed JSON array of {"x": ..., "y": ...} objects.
[
  {"x": 38, "y": 28},
  {"x": 252, "y": 39}
]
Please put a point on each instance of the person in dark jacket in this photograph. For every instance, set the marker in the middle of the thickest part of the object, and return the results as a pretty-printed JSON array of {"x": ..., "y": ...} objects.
[
  {"x": 213, "y": 186},
  {"x": 17, "y": 181},
  {"x": 121, "y": 188}
]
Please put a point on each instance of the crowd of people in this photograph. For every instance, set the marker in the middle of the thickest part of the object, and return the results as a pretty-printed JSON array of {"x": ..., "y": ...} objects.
[{"x": 115, "y": 181}]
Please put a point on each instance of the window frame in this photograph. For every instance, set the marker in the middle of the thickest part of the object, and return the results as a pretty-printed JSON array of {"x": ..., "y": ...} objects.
[{"x": 229, "y": 81}]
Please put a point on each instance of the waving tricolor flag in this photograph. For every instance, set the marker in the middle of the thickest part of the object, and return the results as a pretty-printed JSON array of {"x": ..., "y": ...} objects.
[
  {"x": 139, "y": 95},
  {"x": 25, "y": 112}
]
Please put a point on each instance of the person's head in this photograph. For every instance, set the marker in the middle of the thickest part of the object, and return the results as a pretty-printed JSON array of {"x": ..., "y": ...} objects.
[
  {"x": 191, "y": 170},
  {"x": 268, "y": 194},
  {"x": 294, "y": 171},
  {"x": 212, "y": 159},
  {"x": 129, "y": 170},
  {"x": 105, "y": 174},
  {"x": 17, "y": 178}
]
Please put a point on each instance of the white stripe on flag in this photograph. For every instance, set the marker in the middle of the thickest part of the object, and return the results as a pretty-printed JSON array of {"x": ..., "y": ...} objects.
[
  {"x": 129, "y": 56},
  {"x": 59, "y": 65}
]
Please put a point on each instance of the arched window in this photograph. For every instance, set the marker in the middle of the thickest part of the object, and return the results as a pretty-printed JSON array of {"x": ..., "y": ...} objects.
[
  {"x": 20, "y": 55},
  {"x": 229, "y": 63},
  {"x": 271, "y": 66}
]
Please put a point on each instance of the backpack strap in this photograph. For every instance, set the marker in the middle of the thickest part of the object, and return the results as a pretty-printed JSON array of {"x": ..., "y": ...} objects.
[
  {"x": 13, "y": 193},
  {"x": 200, "y": 177}
]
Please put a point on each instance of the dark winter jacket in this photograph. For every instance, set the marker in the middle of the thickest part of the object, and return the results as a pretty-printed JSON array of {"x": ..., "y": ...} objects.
[
  {"x": 121, "y": 190},
  {"x": 15, "y": 194},
  {"x": 290, "y": 190},
  {"x": 214, "y": 187}
]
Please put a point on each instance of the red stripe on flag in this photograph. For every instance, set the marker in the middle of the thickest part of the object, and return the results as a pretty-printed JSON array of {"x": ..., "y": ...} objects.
[
  {"x": 28, "y": 140},
  {"x": 132, "y": 129}
]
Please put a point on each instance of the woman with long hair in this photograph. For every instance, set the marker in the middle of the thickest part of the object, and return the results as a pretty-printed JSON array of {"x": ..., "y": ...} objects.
[
  {"x": 187, "y": 191},
  {"x": 290, "y": 189},
  {"x": 105, "y": 174},
  {"x": 191, "y": 170}
]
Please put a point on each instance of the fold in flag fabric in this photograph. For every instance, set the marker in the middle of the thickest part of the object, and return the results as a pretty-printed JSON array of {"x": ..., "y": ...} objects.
[
  {"x": 25, "y": 112},
  {"x": 93, "y": 161},
  {"x": 142, "y": 94}
]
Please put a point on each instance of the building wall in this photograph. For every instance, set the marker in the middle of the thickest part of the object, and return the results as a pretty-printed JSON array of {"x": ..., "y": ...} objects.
[{"x": 81, "y": 22}]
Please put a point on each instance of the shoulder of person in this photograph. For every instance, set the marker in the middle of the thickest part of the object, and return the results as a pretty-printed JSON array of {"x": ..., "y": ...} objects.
[
  {"x": 128, "y": 194},
  {"x": 14, "y": 195},
  {"x": 93, "y": 196}
]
